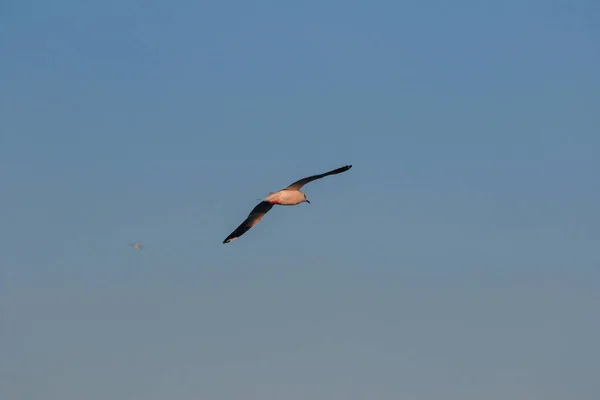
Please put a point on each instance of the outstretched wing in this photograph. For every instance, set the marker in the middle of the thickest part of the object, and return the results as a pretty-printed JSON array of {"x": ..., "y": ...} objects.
[
  {"x": 255, "y": 215},
  {"x": 298, "y": 184}
]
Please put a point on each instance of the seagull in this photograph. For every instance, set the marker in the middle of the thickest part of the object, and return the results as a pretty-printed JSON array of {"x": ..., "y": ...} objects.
[{"x": 289, "y": 196}]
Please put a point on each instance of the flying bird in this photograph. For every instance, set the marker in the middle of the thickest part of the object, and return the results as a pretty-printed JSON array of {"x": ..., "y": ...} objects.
[
  {"x": 136, "y": 246},
  {"x": 289, "y": 196}
]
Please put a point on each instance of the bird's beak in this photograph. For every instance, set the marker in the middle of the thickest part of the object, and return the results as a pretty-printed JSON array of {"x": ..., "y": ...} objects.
[{"x": 308, "y": 201}]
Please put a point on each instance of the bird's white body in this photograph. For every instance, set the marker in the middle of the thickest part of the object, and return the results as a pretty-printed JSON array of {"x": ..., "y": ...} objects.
[{"x": 286, "y": 197}]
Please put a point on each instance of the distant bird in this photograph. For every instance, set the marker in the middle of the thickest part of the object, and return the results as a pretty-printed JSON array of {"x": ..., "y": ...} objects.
[
  {"x": 289, "y": 196},
  {"x": 136, "y": 246}
]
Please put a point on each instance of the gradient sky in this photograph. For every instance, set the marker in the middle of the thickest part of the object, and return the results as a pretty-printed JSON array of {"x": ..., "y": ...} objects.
[{"x": 458, "y": 259}]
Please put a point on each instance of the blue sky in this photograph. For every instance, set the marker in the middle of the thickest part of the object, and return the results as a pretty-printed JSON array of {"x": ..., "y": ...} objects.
[{"x": 458, "y": 258}]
